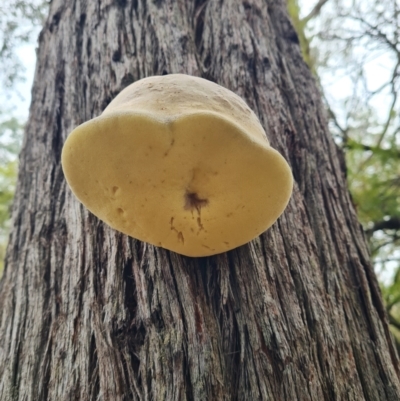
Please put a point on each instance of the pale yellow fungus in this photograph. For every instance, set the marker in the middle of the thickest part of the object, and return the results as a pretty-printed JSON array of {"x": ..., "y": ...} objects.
[{"x": 179, "y": 162}]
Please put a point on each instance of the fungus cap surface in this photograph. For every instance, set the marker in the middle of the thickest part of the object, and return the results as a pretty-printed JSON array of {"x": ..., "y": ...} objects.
[{"x": 181, "y": 163}]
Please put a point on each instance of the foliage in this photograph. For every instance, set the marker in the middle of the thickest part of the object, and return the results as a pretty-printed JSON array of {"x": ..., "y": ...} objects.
[
  {"x": 19, "y": 21},
  {"x": 19, "y": 24},
  {"x": 300, "y": 24},
  {"x": 10, "y": 138},
  {"x": 353, "y": 49}
]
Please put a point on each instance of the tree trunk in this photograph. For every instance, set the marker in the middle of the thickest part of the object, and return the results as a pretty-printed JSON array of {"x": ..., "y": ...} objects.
[{"x": 87, "y": 313}]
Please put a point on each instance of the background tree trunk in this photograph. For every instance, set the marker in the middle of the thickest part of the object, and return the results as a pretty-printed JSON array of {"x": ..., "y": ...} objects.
[{"x": 89, "y": 314}]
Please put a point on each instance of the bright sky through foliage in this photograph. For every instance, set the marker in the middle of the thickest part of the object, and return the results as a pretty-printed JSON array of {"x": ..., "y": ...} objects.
[{"x": 20, "y": 99}]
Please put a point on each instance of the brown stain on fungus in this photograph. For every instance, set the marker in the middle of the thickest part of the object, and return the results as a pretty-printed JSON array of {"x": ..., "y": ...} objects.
[
  {"x": 181, "y": 238},
  {"x": 201, "y": 227},
  {"x": 170, "y": 147},
  {"x": 193, "y": 202}
]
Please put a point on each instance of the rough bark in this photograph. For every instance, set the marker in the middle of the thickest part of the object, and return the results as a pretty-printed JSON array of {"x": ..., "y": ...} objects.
[{"x": 89, "y": 314}]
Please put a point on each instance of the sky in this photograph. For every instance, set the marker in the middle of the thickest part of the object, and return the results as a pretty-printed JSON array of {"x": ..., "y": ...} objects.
[
  {"x": 338, "y": 86},
  {"x": 20, "y": 100}
]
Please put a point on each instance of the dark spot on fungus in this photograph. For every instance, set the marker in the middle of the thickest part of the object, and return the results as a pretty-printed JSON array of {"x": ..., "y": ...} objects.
[
  {"x": 170, "y": 147},
  {"x": 114, "y": 190},
  {"x": 120, "y": 210},
  {"x": 199, "y": 224},
  {"x": 192, "y": 201},
  {"x": 180, "y": 235}
]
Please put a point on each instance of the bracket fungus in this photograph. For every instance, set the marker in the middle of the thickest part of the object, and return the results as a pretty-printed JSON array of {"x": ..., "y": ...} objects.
[{"x": 179, "y": 162}]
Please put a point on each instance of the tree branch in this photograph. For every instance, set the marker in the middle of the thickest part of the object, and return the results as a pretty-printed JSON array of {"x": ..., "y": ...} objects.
[
  {"x": 354, "y": 145},
  {"x": 314, "y": 12},
  {"x": 392, "y": 224}
]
